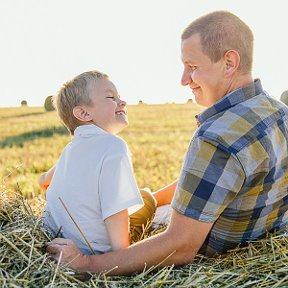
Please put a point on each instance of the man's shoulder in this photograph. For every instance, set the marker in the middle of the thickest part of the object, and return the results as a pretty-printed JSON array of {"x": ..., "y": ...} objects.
[{"x": 236, "y": 127}]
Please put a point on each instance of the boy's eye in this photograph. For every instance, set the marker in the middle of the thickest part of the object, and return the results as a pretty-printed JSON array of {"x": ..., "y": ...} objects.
[
  {"x": 111, "y": 97},
  {"x": 193, "y": 68}
]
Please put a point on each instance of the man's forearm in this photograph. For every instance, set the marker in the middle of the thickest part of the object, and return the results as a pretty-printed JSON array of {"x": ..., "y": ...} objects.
[
  {"x": 177, "y": 245},
  {"x": 157, "y": 251}
]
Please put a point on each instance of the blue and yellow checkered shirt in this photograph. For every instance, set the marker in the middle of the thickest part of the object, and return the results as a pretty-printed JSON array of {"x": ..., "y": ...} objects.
[{"x": 235, "y": 174}]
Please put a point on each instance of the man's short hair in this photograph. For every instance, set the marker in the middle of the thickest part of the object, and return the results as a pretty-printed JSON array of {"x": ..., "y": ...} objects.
[
  {"x": 221, "y": 31},
  {"x": 73, "y": 93}
]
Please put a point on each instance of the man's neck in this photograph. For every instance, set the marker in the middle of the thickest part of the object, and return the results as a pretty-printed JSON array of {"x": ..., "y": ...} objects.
[{"x": 239, "y": 81}]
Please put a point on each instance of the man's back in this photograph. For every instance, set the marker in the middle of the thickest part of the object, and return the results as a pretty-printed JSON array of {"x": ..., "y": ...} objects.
[{"x": 246, "y": 184}]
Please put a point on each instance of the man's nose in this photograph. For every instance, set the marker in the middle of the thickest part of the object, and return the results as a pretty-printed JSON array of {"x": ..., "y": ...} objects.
[{"x": 186, "y": 77}]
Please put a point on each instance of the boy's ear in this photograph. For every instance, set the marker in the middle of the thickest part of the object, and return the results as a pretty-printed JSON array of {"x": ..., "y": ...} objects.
[
  {"x": 81, "y": 114},
  {"x": 232, "y": 62}
]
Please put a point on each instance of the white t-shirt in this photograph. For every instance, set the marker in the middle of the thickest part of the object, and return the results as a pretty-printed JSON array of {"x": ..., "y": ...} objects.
[{"x": 94, "y": 178}]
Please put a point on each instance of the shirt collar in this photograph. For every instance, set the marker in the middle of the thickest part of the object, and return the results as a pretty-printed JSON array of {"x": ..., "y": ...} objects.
[
  {"x": 86, "y": 130},
  {"x": 231, "y": 99}
]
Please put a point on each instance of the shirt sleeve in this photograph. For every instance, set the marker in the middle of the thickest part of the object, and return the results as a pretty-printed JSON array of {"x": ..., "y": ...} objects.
[
  {"x": 117, "y": 186},
  {"x": 210, "y": 179}
]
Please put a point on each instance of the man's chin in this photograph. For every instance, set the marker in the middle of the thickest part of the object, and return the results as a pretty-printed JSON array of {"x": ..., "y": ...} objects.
[{"x": 200, "y": 100}]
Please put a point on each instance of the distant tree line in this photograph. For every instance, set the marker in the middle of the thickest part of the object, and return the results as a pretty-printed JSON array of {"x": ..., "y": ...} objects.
[{"x": 49, "y": 106}]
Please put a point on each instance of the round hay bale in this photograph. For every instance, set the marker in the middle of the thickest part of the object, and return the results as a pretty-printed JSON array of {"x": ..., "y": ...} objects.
[
  {"x": 48, "y": 105},
  {"x": 24, "y": 103},
  {"x": 284, "y": 97}
]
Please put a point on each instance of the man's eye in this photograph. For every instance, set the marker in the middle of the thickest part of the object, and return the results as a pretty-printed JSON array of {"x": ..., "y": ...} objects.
[
  {"x": 193, "y": 68},
  {"x": 111, "y": 97}
]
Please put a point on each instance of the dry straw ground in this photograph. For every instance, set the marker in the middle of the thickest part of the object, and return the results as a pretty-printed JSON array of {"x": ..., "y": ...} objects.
[{"x": 30, "y": 142}]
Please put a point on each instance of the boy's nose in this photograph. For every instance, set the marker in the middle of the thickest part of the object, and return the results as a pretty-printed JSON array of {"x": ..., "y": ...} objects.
[{"x": 122, "y": 103}]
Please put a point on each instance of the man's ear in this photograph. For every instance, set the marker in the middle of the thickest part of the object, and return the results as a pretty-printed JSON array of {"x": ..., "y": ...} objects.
[
  {"x": 232, "y": 62},
  {"x": 81, "y": 114}
]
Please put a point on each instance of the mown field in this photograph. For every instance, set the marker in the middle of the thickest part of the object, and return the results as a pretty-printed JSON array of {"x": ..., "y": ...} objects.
[{"x": 31, "y": 140}]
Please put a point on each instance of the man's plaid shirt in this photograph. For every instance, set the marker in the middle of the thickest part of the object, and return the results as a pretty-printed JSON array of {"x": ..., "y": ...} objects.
[{"x": 235, "y": 173}]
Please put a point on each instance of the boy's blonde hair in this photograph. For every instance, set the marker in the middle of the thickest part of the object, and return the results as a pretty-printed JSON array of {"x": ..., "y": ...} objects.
[
  {"x": 221, "y": 31},
  {"x": 73, "y": 93}
]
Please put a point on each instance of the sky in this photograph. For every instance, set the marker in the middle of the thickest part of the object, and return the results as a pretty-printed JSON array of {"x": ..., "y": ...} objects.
[{"x": 44, "y": 43}]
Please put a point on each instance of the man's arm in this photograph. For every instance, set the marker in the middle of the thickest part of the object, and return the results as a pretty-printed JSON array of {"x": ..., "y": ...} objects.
[{"x": 177, "y": 245}]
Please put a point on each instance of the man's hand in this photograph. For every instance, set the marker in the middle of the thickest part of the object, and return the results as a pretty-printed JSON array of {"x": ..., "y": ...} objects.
[{"x": 66, "y": 251}]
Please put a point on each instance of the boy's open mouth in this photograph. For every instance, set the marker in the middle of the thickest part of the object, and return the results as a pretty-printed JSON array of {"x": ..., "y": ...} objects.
[{"x": 120, "y": 112}]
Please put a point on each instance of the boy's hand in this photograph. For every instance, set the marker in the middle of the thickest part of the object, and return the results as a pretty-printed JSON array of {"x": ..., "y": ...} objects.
[
  {"x": 66, "y": 251},
  {"x": 45, "y": 179},
  {"x": 42, "y": 182}
]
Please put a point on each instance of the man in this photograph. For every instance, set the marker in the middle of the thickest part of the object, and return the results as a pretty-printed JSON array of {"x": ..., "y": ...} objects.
[{"x": 233, "y": 184}]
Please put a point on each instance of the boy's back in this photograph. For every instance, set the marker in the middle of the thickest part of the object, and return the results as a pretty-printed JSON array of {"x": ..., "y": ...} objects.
[{"x": 94, "y": 178}]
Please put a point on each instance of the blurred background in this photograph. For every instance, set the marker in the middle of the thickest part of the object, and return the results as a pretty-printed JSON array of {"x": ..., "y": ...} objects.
[{"x": 45, "y": 43}]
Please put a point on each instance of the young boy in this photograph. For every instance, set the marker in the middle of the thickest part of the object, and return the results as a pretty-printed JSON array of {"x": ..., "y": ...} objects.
[{"x": 93, "y": 180}]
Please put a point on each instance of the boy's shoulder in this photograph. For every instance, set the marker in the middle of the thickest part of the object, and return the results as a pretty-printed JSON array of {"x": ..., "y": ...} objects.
[{"x": 116, "y": 143}]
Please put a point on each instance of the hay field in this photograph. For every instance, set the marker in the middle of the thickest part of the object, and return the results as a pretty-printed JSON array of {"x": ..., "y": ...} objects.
[{"x": 31, "y": 141}]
